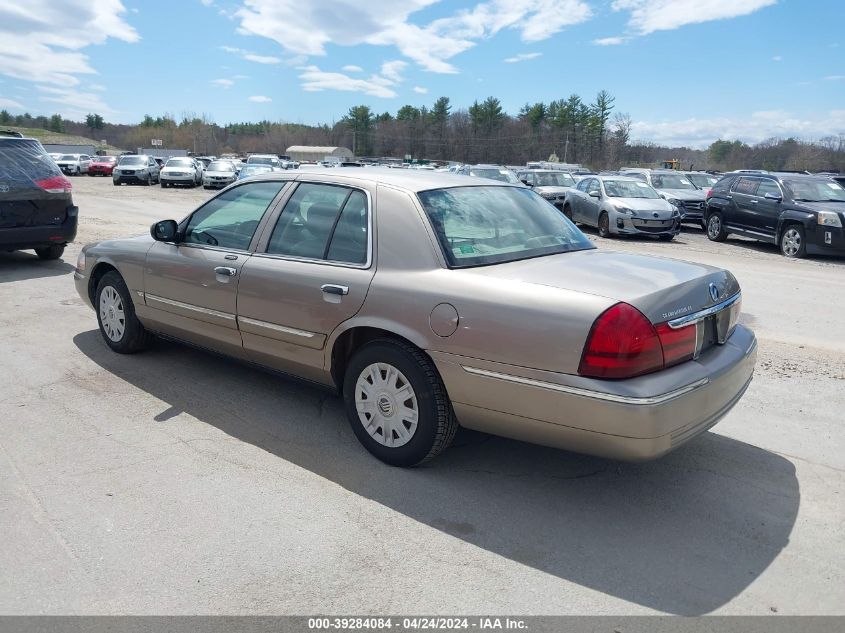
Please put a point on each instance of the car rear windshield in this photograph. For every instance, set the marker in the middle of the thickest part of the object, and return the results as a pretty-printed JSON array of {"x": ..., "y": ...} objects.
[
  {"x": 179, "y": 162},
  {"x": 546, "y": 179},
  {"x": 703, "y": 180},
  {"x": 477, "y": 226},
  {"x": 24, "y": 160},
  {"x": 133, "y": 160},
  {"x": 811, "y": 190},
  {"x": 505, "y": 175},
  {"x": 629, "y": 189},
  {"x": 671, "y": 181},
  {"x": 220, "y": 165}
]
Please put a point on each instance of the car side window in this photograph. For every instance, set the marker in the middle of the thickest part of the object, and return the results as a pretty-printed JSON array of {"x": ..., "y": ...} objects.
[
  {"x": 594, "y": 186},
  {"x": 230, "y": 219},
  {"x": 323, "y": 222},
  {"x": 748, "y": 186},
  {"x": 582, "y": 184},
  {"x": 768, "y": 186}
]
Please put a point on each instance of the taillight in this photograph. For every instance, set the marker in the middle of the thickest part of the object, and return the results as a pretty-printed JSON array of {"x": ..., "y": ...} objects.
[
  {"x": 55, "y": 184},
  {"x": 622, "y": 344},
  {"x": 678, "y": 345}
]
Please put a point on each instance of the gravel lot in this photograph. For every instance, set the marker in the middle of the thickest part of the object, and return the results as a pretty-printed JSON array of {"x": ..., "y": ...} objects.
[{"x": 178, "y": 482}]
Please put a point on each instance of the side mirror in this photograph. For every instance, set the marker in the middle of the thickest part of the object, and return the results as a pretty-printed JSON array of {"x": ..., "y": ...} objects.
[
  {"x": 525, "y": 182},
  {"x": 595, "y": 194},
  {"x": 164, "y": 231},
  {"x": 773, "y": 196}
]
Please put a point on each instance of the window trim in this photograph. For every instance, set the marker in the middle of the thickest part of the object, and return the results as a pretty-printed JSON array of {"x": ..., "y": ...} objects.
[
  {"x": 264, "y": 243},
  {"x": 772, "y": 180},
  {"x": 736, "y": 182}
]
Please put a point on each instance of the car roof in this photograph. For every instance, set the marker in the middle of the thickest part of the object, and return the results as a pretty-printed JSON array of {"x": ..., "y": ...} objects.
[
  {"x": 413, "y": 180},
  {"x": 615, "y": 177}
]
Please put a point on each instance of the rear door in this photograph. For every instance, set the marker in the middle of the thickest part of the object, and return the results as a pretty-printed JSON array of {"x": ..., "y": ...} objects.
[
  {"x": 190, "y": 287},
  {"x": 742, "y": 211},
  {"x": 589, "y": 204},
  {"x": 23, "y": 201},
  {"x": 311, "y": 271}
]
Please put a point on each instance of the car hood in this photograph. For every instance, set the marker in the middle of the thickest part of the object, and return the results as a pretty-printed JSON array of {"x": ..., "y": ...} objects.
[
  {"x": 660, "y": 288},
  {"x": 646, "y": 205},
  {"x": 166, "y": 170},
  {"x": 209, "y": 172},
  {"x": 836, "y": 207},
  {"x": 684, "y": 194}
]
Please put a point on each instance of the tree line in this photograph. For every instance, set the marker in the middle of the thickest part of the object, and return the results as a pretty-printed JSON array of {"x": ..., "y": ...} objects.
[{"x": 574, "y": 130}]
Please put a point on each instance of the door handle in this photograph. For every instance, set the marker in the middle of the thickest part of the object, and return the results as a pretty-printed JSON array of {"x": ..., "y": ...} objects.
[
  {"x": 226, "y": 271},
  {"x": 334, "y": 289},
  {"x": 752, "y": 201}
]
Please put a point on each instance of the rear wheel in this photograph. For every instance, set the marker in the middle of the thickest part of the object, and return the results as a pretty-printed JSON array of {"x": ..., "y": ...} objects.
[
  {"x": 397, "y": 403},
  {"x": 604, "y": 225},
  {"x": 792, "y": 242},
  {"x": 121, "y": 329},
  {"x": 716, "y": 228},
  {"x": 50, "y": 252}
]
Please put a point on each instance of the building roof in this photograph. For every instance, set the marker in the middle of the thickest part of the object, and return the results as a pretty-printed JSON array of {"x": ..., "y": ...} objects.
[{"x": 314, "y": 148}]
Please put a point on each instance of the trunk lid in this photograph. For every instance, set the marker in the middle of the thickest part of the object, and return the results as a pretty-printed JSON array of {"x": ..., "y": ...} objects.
[{"x": 662, "y": 289}]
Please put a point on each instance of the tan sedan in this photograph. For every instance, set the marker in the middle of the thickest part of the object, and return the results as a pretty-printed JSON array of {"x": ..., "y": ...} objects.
[{"x": 431, "y": 300}]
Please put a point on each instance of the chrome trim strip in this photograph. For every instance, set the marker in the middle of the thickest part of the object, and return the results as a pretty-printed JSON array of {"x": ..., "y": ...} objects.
[
  {"x": 193, "y": 308},
  {"x": 140, "y": 293},
  {"x": 277, "y": 328},
  {"x": 589, "y": 393},
  {"x": 703, "y": 314}
]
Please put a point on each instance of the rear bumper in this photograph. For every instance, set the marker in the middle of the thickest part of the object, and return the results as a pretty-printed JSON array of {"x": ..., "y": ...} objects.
[
  {"x": 23, "y": 237},
  {"x": 632, "y": 420}
]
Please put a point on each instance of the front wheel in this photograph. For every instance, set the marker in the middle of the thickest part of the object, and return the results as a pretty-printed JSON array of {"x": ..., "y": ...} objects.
[
  {"x": 397, "y": 403},
  {"x": 604, "y": 225},
  {"x": 716, "y": 228},
  {"x": 50, "y": 252},
  {"x": 567, "y": 211},
  {"x": 121, "y": 329},
  {"x": 792, "y": 242},
  {"x": 666, "y": 238}
]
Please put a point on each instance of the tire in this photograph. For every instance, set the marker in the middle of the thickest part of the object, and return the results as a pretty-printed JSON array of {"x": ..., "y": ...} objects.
[
  {"x": 716, "y": 227},
  {"x": 403, "y": 444},
  {"x": 793, "y": 242},
  {"x": 666, "y": 238},
  {"x": 163, "y": 185},
  {"x": 567, "y": 211},
  {"x": 604, "y": 224},
  {"x": 113, "y": 293},
  {"x": 116, "y": 183},
  {"x": 50, "y": 252}
]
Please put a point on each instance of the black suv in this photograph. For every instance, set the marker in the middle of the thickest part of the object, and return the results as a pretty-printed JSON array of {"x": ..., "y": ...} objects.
[
  {"x": 801, "y": 214},
  {"x": 36, "y": 206}
]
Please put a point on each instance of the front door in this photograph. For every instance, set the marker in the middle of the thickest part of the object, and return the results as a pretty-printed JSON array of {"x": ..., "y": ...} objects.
[
  {"x": 311, "y": 272},
  {"x": 190, "y": 287},
  {"x": 764, "y": 216}
]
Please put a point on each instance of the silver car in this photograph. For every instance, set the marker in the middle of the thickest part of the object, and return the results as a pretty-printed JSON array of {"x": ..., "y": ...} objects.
[
  {"x": 218, "y": 174},
  {"x": 74, "y": 164},
  {"x": 181, "y": 170},
  {"x": 677, "y": 188},
  {"x": 552, "y": 184},
  {"x": 618, "y": 205},
  {"x": 430, "y": 300}
]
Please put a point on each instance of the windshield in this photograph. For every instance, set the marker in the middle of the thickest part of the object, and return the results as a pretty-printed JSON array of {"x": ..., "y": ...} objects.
[
  {"x": 69, "y": 157},
  {"x": 220, "y": 165},
  {"x": 703, "y": 180},
  {"x": 179, "y": 162},
  {"x": 133, "y": 160},
  {"x": 503, "y": 175},
  {"x": 262, "y": 160},
  {"x": 816, "y": 190},
  {"x": 489, "y": 225},
  {"x": 671, "y": 181},
  {"x": 629, "y": 189},
  {"x": 559, "y": 179}
]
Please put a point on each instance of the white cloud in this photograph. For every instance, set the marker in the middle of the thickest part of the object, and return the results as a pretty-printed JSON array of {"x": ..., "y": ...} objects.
[
  {"x": 316, "y": 80},
  {"x": 250, "y": 56},
  {"x": 420, "y": 90},
  {"x": 352, "y": 69},
  {"x": 8, "y": 103},
  {"x": 305, "y": 28},
  {"x": 759, "y": 126},
  {"x": 238, "y": 77},
  {"x": 522, "y": 57},
  {"x": 38, "y": 44},
  {"x": 391, "y": 70},
  {"x": 834, "y": 78},
  {"x": 777, "y": 58},
  {"x": 74, "y": 103},
  {"x": 223, "y": 83},
  {"x": 260, "y": 99},
  {"x": 648, "y": 16},
  {"x": 610, "y": 41}
]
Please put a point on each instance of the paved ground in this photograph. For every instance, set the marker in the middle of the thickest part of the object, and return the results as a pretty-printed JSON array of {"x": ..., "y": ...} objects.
[{"x": 177, "y": 482}]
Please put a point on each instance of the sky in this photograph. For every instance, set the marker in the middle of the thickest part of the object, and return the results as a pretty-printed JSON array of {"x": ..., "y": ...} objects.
[{"x": 686, "y": 71}]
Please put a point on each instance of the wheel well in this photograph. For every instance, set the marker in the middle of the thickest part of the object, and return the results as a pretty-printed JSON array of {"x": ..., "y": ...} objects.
[
  {"x": 350, "y": 341},
  {"x": 99, "y": 271},
  {"x": 785, "y": 225}
]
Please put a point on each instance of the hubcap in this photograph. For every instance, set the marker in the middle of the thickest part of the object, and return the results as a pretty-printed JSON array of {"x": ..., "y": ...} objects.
[
  {"x": 386, "y": 405},
  {"x": 714, "y": 227},
  {"x": 112, "y": 316},
  {"x": 791, "y": 242}
]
